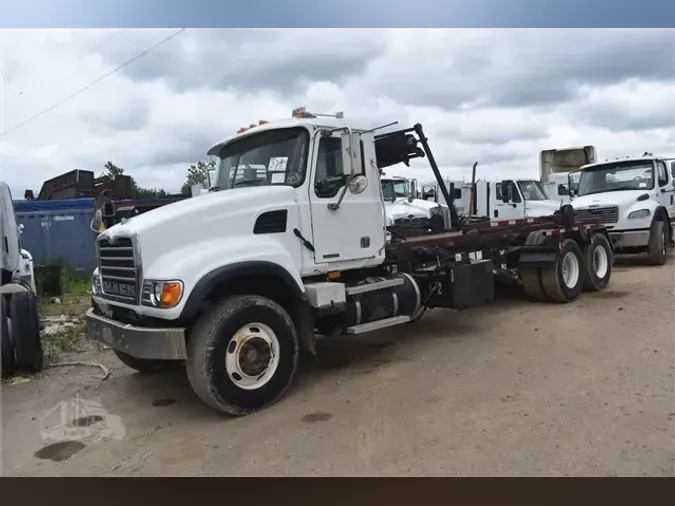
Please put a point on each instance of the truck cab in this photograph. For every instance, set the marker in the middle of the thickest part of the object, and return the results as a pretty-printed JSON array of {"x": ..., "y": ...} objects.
[
  {"x": 510, "y": 199},
  {"x": 401, "y": 203},
  {"x": 635, "y": 199}
]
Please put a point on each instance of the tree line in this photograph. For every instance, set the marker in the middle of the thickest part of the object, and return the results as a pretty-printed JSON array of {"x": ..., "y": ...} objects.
[{"x": 197, "y": 174}]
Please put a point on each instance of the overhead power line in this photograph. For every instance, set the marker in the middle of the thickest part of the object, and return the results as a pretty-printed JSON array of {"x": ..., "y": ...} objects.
[{"x": 92, "y": 83}]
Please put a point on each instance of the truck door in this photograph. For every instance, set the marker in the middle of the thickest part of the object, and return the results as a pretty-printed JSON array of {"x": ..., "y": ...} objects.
[
  {"x": 351, "y": 228},
  {"x": 512, "y": 210},
  {"x": 666, "y": 189}
]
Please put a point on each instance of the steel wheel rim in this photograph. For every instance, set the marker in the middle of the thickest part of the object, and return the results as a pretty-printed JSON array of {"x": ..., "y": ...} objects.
[
  {"x": 570, "y": 270},
  {"x": 664, "y": 248},
  {"x": 600, "y": 262},
  {"x": 252, "y": 356}
]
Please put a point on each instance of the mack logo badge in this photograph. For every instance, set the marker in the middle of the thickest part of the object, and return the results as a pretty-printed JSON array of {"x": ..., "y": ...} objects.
[{"x": 121, "y": 289}]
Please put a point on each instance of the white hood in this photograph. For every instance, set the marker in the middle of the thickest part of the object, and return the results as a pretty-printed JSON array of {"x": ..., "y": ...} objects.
[
  {"x": 617, "y": 198},
  {"x": 396, "y": 210},
  {"x": 193, "y": 220},
  {"x": 535, "y": 208}
]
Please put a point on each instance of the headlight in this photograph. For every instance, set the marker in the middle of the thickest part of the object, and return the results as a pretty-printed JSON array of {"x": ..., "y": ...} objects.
[
  {"x": 639, "y": 215},
  {"x": 95, "y": 285},
  {"x": 159, "y": 293}
]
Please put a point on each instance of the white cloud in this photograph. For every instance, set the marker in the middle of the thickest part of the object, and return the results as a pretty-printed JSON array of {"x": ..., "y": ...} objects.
[{"x": 497, "y": 97}]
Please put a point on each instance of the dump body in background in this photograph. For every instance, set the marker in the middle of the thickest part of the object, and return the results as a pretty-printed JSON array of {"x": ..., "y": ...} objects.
[{"x": 59, "y": 231}]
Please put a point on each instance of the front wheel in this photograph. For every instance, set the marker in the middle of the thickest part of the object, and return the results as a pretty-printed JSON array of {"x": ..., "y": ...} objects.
[
  {"x": 242, "y": 355},
  {"x": 658, "y": 244}
]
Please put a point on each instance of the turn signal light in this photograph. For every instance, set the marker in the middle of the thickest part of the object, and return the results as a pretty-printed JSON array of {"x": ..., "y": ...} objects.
[{"x": 171, "y": 293}]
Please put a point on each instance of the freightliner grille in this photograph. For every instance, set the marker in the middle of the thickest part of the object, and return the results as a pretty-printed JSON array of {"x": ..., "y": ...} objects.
[{"x": 601, "y": 214}]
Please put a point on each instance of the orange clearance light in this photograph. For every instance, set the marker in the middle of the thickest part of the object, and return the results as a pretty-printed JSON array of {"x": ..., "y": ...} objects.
[
  {"x": 262, "y": 122},
  {"x": 241, "y": 130},
  {"x": 251, "y": 125},
  {"x": 333, "y": 275},
  {"x": 171, "y": 293}
]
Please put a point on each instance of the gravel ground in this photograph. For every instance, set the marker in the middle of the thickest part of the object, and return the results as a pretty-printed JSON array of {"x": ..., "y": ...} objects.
[{"x": 514, "y": 389}]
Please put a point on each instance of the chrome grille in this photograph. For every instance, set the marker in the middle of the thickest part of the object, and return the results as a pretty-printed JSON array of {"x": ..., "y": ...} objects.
[
  {"x": 401, "y": 222},
  {"x": 117, "y": 269},
  {"x": 600, "y": 214}
]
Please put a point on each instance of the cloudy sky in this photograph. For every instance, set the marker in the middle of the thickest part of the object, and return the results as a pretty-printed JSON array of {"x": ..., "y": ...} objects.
[{"x": 495, "y": 96}]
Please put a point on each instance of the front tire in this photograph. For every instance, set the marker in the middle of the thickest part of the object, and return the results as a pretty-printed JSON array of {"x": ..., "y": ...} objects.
[
  {"x": 658, "y": 242},
  {"x": 25, "y": 331},
  {"x": 242, "y": 355},
  {"x": 8, "y": 358}
]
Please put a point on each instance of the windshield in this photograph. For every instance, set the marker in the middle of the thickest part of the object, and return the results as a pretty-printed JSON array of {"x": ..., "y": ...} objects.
[
  {"x": 629, "y": 175},
  {"x": 394, "y": 190},
  {"x": 273, "y": 157},
  {"x": 532, "y": 190}
]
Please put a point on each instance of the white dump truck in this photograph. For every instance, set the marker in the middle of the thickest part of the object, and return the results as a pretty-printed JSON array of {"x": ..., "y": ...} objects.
[
  {"x": 634, "y": 198},
  {"x": 236, "y": 284},
  {"x": 20, "y": 327}
]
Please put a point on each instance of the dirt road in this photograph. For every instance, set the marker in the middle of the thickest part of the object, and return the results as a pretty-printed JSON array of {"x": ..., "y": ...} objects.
[{"x": 514, "y": 389}]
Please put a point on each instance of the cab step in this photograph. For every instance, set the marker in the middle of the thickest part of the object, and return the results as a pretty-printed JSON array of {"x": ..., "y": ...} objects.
[{"x": 377, "y": 325}]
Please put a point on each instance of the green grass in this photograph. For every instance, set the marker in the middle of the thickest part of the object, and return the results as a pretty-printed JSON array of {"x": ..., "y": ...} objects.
[{"x": 74, "y": 302}]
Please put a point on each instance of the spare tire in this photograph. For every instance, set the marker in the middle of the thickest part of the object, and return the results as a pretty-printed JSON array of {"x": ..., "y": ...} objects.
[
  {"x": 8, "y": 358},
  {"x": 25, "y": 329}
]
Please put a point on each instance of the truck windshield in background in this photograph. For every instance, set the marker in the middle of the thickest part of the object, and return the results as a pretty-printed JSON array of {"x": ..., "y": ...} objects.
[
  {"x": 532, "y": 190},
  {"x": 274, "y": 157},
  {"x": 608, "y": 177},
  {"x": 392, "y": 190}
]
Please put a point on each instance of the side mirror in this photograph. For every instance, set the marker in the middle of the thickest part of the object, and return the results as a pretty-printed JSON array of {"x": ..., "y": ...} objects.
[
  {"x": 410, "y": 198},
  {"x": 562, "y": 190},
  {"x": 351, "y": 154},
  {"x": 570, "y": 185}
]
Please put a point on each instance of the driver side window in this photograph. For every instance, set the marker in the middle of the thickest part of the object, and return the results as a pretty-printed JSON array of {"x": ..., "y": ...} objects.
[
  {"x": 329, "y": 176},
  {"x": 515, "y": 196},
  {"x": 662, "y": 173}
]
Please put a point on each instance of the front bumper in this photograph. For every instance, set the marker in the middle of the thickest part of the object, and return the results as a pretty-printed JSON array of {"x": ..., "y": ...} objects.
[
  {"x": 139, "y": 342},
  {"x": 630, "y": 239}
]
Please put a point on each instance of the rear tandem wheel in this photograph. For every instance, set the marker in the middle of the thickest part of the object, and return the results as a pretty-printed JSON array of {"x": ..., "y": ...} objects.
[{"x": 562, "y": 282}]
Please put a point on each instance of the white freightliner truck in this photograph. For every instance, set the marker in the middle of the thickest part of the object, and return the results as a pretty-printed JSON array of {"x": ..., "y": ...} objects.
[
  {"x": 237, "y": 283},
  {"x": 19, "y": 322},
  {"x": 403, "y": 207},
  {"x": 634, "y": 198}
]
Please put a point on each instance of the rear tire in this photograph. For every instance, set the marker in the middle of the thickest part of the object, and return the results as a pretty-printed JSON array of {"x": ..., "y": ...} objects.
[
  {"x": 563, "y": 282},
  {"x": 243, "y": 355},
  {"x": 25, "y": 331},
  {"x": 598, "y": 261},
  {"x": 146, "y": 365},
  {"x": 8, "y": 358},
  {"x": 658, "y": 242},
  {"x": 531, "y": 279}
]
